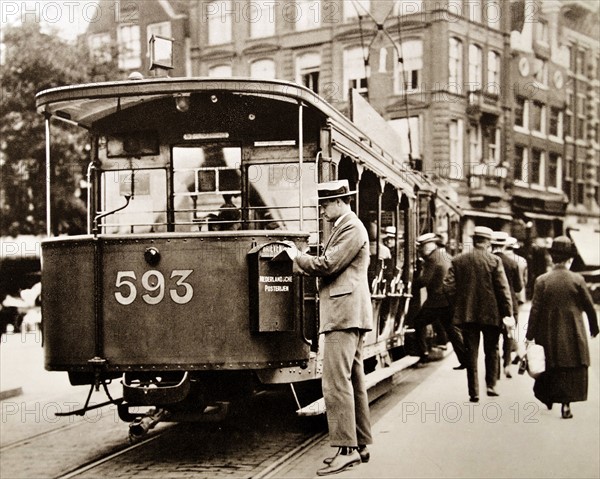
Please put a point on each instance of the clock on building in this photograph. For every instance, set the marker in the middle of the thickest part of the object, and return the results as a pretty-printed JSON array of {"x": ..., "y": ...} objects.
[
  {"x": 558, "y": 79},
  {"x": 524, "y": 66}
]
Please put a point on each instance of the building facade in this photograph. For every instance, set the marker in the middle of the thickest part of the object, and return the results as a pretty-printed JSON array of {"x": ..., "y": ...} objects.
[{"x": 496, "y": 101}]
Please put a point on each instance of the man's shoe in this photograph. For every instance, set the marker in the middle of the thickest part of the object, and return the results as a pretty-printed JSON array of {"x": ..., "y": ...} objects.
[
  {"x": 340, "y": 462},
  {"x": 459, "y": 367},
  {"x": 364, "y": 453},
  {"x": 507, "y": 372},
  {"x": 474, "y": 399},
  {"x": 516, "y": 360},
  {"x": 492, "y": 392}
]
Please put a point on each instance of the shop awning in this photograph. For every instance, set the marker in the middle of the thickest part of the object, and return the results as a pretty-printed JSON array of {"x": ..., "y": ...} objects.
[
  {"x": 486, "y": 214},
  {"x": 587, "y": 242}
]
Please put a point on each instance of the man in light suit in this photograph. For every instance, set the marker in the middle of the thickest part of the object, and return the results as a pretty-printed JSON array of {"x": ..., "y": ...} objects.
[{"x": 346, "y": 315}]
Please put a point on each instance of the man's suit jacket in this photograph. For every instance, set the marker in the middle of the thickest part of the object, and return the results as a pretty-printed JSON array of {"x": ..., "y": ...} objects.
[
  {"x": 433, "y": 271},
  {"x": 344, "y": 295},
  {"x": 478, "y": 289},
  {"x": 513, "y": 275}
]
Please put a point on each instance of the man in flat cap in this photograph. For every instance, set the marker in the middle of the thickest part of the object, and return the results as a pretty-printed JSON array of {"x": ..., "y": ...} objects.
[
  {"x": 346, "y": 316},
  {"x": 477, "y": 286},
  {"x": 436, "y": 309}
]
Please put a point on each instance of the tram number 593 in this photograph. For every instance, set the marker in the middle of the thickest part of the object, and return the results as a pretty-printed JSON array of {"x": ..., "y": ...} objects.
[{"x": 153, "y": 283}]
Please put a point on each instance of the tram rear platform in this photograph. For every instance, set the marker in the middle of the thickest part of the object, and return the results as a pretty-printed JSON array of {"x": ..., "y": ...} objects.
[{"x": 435, "y": 432}]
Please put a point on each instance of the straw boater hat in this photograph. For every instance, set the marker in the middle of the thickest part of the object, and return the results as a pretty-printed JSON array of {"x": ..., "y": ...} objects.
[
  {"x": 483, "y": 232},
  {"x": 427, "y": 238},
  {"x": 512, "y": 243},
  {"x": 333, "y": 189},
  {"x": 499, "y": 238},
  {"x": 389, "y": 231},
  {"x": 562, "y": 249}
]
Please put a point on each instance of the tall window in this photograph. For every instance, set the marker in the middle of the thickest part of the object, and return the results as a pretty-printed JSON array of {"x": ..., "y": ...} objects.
[
  {"x": 475, "y": 68},
  {"x": 569, "y": 115},
  {"x": 554, "y": 170},
  {"x": 456, "y": 131},
  {"x": 493, "y": 141},
  {"x": 261, "y": 16},
  {"x": 220, "y": 71},
  {"x": 355, "y": 71},
  {"x": 541, "y": 33},
  {"x": 263, "y": 69},
  {"x": 475, "y": 145},
  {"x": 455, "y": 65},
  {"x": 412, "y": 144},
  {"x": 580, "y": 125},
  {"x": 307, "y": 14},
  {"x": 99, "y": 45},
  {"x": 307, "y": 70},
  {"x": 219, "y": 22},
  {"x": 521, "y": 113},
  {"x": 538, "y": 113},
  {"x": 540, "y": 73},
  {"x": 408, "y": 74},
  {"x": 492, "y": 13},
  {"x": 355, "y": 8},
  {"x": 520, "y": 160},
  {"x": 556, "y": 120},
  {"x": 130, "y": 50},
  {"x": 474, "y": 9},
  {"x": 493, "y": 78},
  {"x": 535, "y": 167}
]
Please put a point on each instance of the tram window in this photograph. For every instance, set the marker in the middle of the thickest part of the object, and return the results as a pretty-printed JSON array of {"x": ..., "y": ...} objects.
[
  {"x": 146, "y": 211},
  {"x": 274, "y": 196},
  {"x": 137, "y": 143}
]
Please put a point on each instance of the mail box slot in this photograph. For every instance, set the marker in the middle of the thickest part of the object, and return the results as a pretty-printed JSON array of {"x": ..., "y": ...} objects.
[{"x": 272, "y": 288}]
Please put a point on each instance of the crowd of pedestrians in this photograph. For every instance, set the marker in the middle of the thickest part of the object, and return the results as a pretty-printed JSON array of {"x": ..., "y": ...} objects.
[{"x": 477, "y": 293}]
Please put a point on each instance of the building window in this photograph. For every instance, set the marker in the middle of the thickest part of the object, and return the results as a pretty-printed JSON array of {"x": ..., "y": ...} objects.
[
  {"x": 307, "y": 14},
  {"x": 541, "y": 31},
  {"x": 493, "y": 68},
  {"x": 408, "y": 74},
  {"x": 521, "y": 113},
  {"x": 554, "y": 170},
  {"x": 493, "y": 141},
  {"x": 580, "y": 126},
  {"x": 220, "y": 71},
  {"x": 475, "y": 145},
  {"x": 99, "y": 45},
  {"x": 407, "y": 7},
  {"x": 355, "y": 71},
  {"x": 569, "y": 115},
  {"x": 540, "y": 71},
  {"x": 534, "y": 173},
  {"x": 520, "y": 161},
  {"x": 455, "y": 66},
  {"x": 263, "y": 69},
  {"x": 356, "y": 8},
  {"x": 456, "y": 148},
  {"x": 492, "y": 13},
  {"x": 162, "y": 29},
  {"x": 475, "y": 68},
  {"x": 261, "y": 16},
  {"x": 538, "y": 114},
  {"x": 219, "y": 22},
  {"x": 307, "y": 70},
  {"x": 474, "y": 10},
  {"x": 402, "y": 126},
  {"x": 580, "y": 62},
  {"x": 556, "y": 122},
  {"x": 130, "y": 53}
]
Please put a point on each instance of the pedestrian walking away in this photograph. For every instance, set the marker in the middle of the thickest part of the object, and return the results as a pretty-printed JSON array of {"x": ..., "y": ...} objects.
[
  {"x": 436, "y": 308},
  {"x": 478, "y": 290},
  {"x": 515, "y": 283},
  {"x": 346, "y": 316},
  {"x": 556, "y": 323}
]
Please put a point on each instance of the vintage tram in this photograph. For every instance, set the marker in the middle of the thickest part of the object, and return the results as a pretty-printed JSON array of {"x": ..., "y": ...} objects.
[{"x": 197, "y": 185}]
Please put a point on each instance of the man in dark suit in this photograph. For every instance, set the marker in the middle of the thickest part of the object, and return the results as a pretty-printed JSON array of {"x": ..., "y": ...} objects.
[
  {"x": 513, "y": 276},
  {"x": 346, "y": 315},
  {"x": 477, "y": 286},
  {"x": 436, "y": 308}
]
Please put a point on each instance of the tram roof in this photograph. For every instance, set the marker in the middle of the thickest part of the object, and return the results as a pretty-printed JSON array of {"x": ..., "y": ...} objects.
[{"x": 87, "y": 103}]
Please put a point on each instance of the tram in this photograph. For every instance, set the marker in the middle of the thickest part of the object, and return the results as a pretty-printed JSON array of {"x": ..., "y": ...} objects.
[{"x": 197, "y": 186}]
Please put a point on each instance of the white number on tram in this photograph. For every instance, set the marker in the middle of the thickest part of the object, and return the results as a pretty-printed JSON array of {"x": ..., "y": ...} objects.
[{"x": 153, "y": 283}]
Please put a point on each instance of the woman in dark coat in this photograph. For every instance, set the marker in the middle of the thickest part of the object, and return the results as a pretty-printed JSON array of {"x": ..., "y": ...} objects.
[{"x": 556, "y": 323}]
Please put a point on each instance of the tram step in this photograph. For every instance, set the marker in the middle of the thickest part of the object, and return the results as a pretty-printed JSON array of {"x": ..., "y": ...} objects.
[{"x": 372, "y": 379}]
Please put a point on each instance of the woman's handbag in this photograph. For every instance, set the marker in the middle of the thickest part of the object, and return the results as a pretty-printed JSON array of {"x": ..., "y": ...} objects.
[{"x": 536, "y": 360}]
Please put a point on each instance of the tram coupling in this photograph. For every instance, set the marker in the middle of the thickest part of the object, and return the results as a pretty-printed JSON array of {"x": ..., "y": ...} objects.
[{"x": 140, "y": 427}]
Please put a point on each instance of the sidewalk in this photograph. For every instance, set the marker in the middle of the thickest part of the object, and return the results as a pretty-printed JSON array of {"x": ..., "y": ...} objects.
[{"x": 435, "y": 432}]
